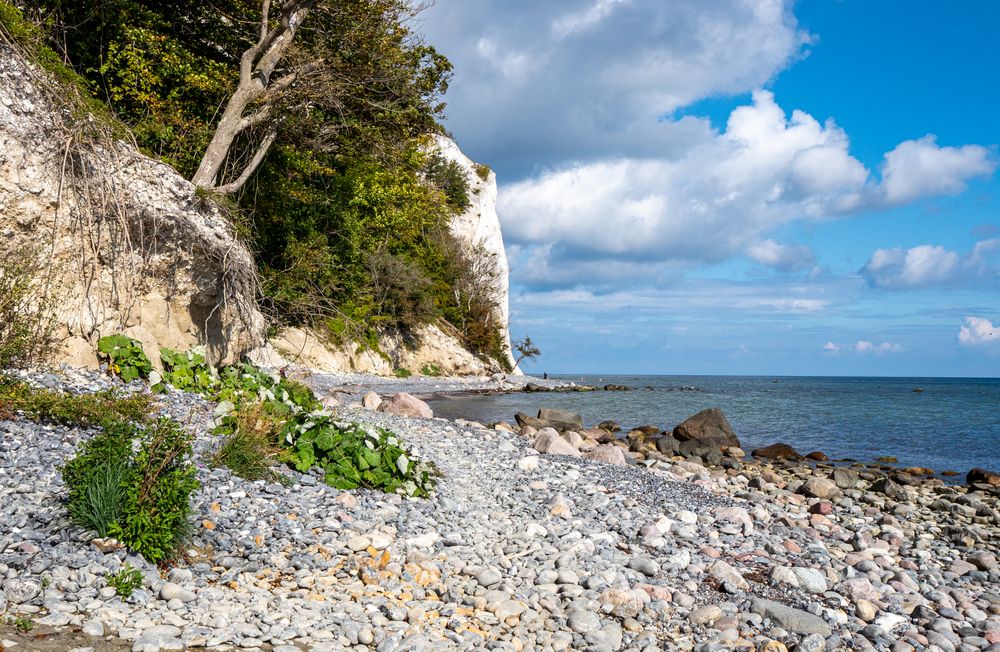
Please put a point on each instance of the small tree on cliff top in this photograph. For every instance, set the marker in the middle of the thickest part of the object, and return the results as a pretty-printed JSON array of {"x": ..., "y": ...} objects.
[{"x": 311, "y": 82}]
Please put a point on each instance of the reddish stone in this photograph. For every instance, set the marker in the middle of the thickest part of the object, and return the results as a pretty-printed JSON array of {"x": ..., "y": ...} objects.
[
  {"x": 791, "y": 546},
  {"x": 824, "y": 507}
]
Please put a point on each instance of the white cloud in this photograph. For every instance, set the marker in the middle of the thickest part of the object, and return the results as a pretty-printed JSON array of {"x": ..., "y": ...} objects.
[
  {"x": 921, "y": 168},
  {"x": 783, "y": 257},
  {"x": 978, "y": 331},
  {"x": 865, "y": 346},
  {"x": 592, "y": 95},
  {"x": 716, "y": 201},
  {"x": 831, "y": 347},
  {"x": 931, "y": 265}
]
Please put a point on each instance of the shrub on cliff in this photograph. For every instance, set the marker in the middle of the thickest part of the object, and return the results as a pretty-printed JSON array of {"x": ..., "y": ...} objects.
[
  {"x": 25, "y": 316},
  {"x": 343, "y": 183}
]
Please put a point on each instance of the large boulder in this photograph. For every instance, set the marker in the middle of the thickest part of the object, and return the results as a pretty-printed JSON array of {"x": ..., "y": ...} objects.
[
  {"x": 526, "y": 420},
  {"x": 710, "y": 424},
  {"x": 561, "y": 419},
  {"x": 548, "y": 441},
  {"x": 607, "y": 453},
  {"x": 777, "y": 452},
  {"x": 982, "y": 476},
  {"x": 406, "y": 405}
]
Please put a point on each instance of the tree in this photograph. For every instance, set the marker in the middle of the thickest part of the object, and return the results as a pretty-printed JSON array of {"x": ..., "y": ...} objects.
[
  {"x": 525, "y": 350},
  {"x": 257, "y": 67}
]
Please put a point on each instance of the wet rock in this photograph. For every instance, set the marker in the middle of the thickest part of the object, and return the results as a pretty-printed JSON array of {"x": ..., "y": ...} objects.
[
  {"x": 982, "y": 476},
  {"x": 710, "y": 424},
  {"x": 561, "y": 419},
  {"x": 777, "y": 451}
]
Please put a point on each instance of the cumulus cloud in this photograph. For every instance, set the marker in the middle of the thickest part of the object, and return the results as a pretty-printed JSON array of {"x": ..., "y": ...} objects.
[
  {"x": 786, "y": 258},
  {"x": 718, "y": 200},
  {"x": 978, "y": 331},
  {"x": 544, "y": 82},
  {"x": 865, "y": 346},
  {"x": 831, "y": 347},
  {"x": 919, "y": 168},
  {"x": 932, "y": 265}
]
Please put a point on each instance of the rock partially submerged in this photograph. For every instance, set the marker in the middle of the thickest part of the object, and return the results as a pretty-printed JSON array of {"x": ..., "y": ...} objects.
[{"x": 711, "y": 425}]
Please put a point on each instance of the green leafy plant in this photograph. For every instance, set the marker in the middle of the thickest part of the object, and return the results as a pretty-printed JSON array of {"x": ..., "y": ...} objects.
[
  {"x": 125, "y": 357},
  {"x": 360, "y": 455},
  {"x": 483, "y": 171},
  {"x": 25, "y": 318},
  {"x": 150, "y": 515},
  {"x": 125, "y": 581},
  {"x": 22, "y": 623},
  {"x": 431, "y": 370},
  {"x": 402, "y": 372},
  {"x": 249, "y": 449}
]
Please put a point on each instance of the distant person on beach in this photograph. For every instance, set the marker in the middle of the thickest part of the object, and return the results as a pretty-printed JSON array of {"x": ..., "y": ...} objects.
[{"x": 545, "y": 376}]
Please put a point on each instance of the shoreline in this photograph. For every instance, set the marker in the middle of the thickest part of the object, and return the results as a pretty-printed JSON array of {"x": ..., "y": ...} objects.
[{"x": 521, "y": 551}]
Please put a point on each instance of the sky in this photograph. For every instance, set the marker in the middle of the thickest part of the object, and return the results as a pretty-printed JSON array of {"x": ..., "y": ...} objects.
[{"x": 739, "y": 186}]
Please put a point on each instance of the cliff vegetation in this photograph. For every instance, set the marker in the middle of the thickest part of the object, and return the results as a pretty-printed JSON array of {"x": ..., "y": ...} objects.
[{"x": 309, "y": 122}]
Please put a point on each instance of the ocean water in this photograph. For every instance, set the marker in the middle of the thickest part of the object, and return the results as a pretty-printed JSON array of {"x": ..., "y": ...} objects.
[{"x": 953, "y": 424}]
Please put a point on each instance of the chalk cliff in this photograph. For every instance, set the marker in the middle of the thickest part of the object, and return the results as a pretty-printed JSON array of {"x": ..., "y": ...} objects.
[{"x": 124, "y": 242}]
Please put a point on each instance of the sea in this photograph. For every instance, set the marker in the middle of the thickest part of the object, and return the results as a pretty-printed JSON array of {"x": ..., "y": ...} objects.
[{"x": 946, "y": 424}]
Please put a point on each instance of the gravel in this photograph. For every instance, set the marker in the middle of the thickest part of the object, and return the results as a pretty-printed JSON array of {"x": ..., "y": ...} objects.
[{"x": 559, "y": 553}]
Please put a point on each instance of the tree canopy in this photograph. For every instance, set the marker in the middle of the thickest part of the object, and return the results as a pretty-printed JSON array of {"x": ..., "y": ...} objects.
[{"x": 333, "y": 185}]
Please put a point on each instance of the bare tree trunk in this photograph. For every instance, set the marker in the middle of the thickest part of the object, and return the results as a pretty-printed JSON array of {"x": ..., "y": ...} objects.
[{"x": 256, "y": 67}]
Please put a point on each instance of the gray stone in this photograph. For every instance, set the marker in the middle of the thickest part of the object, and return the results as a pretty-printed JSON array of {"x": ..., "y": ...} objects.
[
  {"x": 583, "y": 621},
  {"x": 796, "y": 620},
  {"x": 171, "y": 591}
]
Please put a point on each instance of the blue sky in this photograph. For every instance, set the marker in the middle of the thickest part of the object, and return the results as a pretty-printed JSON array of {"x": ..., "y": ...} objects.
[{"x": 737, "y": 186}]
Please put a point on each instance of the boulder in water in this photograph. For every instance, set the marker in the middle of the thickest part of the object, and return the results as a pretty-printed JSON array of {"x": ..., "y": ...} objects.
[
  {"x": 561, "y": 419},
  {"x": 982, "y": 476},
  {"x": 777, "y": 451},
  {"x": 710, "y": 424}
]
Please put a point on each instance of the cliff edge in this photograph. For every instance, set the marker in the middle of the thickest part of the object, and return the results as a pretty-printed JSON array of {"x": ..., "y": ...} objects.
[{"x": 123, "y": 242}]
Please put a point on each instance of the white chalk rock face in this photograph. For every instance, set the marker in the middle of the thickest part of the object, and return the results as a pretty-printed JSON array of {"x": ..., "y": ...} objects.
[
  {"x": 479, "y": 226},
  {"x": 131, "y": 246}
]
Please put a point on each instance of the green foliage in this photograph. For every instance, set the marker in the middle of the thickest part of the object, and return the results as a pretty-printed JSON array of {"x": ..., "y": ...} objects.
[
  {"x": 357, "y": 455},
  {"x": 25, "y": 321},
  {"x": 22, "y": 623},
  {"x": 483, "y": 171},
  {"x": 72, "y": 409},
  {"x": 125, "y": 357},
  {"x": 100, "y": 500},
  {"x": 430, "y": 370},
  {"x": 402, "y": 372},
  {"x": 450, "y": 178},
  {"x": 264, "y": 416},
  {"x": 248, "y": 448},
  {"x": 525, "y": 350},
  {"x": 348, "y": 215},
  {"x": 153, "y": 470},
  {"x": 125, "y": 581}
]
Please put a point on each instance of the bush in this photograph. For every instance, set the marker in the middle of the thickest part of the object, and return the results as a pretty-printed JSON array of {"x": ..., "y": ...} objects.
[
  {"x": 149, "y": 514},
  {"x": 25, "y": 320},
  {"x": 249, "y": 449},
  {"x": 449, "y": 177},
  {"x": 125, "y": 357},
  {"x": 359, "y": 455},
  {"x": 85, "y": 410}
]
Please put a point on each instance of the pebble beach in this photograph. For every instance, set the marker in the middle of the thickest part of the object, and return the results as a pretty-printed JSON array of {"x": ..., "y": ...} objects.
[{"x": 574, "y": 547}]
